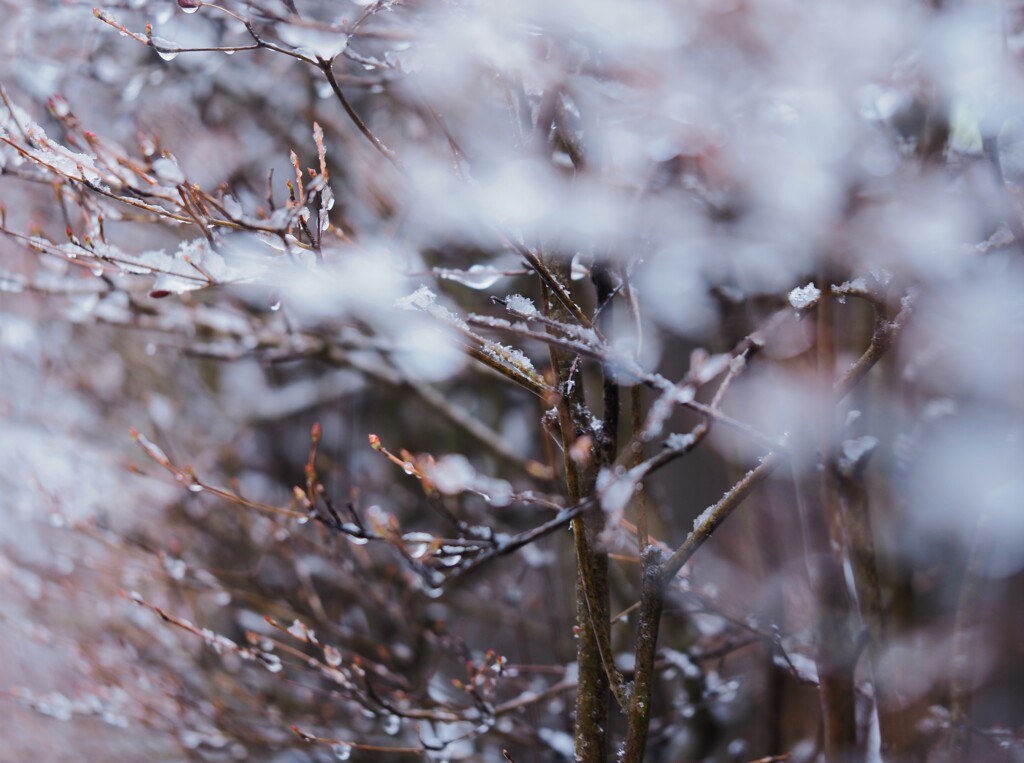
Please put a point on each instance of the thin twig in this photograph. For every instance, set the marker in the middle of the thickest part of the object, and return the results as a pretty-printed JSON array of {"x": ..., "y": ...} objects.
[
  {"x": 716, "y": 514},
  {"x": 325, "y": 67}
]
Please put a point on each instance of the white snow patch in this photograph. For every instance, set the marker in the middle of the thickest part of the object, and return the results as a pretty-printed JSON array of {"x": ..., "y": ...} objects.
[
  {"x": 804, "y": 297},
  {"x": 420, "y": 299},
  {"x": 679, "y": 441},
  {"x": 705, "y": 517},
  {"x": 517, "y": 303}
]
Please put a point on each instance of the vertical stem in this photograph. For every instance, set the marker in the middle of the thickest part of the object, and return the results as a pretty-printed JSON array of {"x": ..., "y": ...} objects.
[
  {"x": 592, "y": 612},
  {"x": 637, "y": 412},
  {"x": 836, "y": 662},
  {"x": 893, "y": 726},
  {"x": 636, "y": 415},
  {"x": 836, "y": 654},
  {"x": 773, "y": 610},
  {"x": 652, "y": 600},
  {"x": 608, "y": 438}
]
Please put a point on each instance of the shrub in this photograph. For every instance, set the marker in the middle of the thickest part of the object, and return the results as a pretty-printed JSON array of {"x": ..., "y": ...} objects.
[{"x": 438, "y": 330}]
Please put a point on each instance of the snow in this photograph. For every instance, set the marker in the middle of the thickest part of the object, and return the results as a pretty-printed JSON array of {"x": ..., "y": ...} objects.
[
  {"x": 855, "y": 286},
  {"x": 428, "y": 352},
  {"x": 804, "y": 297},
  {"x": 453, "y": 474},
  {"x": 558, "y": 741},
  {"x": 704, "y": 518},
  {"x": 426, "y": 300},
  {"x": 168, "y": 171},
  {"x": 616, "y": 491},
  {"x": 476, "y": 277},
  {"x": 857, "y": 449},
  {"x": 314, "y": 41},
  {"x": 683, "y": 395},
  {"x": 710, "y": 193},
  {"x": 713, "y": 366},
  {"x": 513, "y": 357},
  {"x": 680, "y": 441},
  {"x": 523, "y": 306}
]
